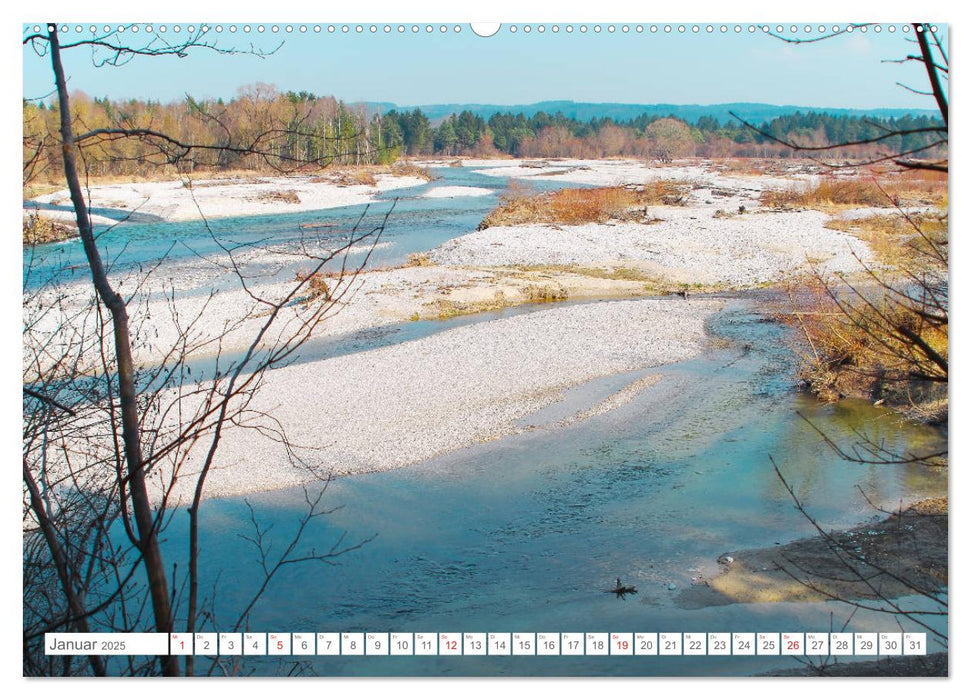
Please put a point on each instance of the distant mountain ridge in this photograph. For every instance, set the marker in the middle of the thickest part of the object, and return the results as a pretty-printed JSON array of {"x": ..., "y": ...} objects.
[{"x": 585, "y": 111}]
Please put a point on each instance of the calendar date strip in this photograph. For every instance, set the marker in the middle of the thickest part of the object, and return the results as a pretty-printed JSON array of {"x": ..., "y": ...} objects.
[{"x": 491, "y": 644}]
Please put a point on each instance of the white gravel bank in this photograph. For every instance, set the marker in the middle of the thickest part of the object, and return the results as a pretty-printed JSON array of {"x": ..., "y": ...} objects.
[
  {"x": 689, "y": 246},
  {"x": 607, "y": 173},
  {"x": 65, "y": 216},
  {"x": 397, "y": 405},
  {"x": 173, "y": 201}
]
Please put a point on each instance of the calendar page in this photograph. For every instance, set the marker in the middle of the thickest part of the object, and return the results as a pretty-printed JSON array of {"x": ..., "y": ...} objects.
[{"x": 530, "y": 348}]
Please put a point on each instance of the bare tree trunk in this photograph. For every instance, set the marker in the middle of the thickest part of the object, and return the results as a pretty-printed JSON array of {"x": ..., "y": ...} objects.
[
  {"x": 932, "y": 75},
  {"x": 141, "y": 505},
  {"x": 74, "y": 605}
]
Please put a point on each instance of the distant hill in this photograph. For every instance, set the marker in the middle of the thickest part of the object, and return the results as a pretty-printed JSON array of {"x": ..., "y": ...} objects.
[{"x": 585, "y": 111}]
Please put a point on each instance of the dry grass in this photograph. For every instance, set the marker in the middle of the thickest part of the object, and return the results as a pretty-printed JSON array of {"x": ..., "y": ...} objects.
[
  {"x": 649, "y": 283},
  {"x": 751, "y": 167},
  {"x": 282, "y": 196},
  {"x": 834, "y": 193},
  {"x": 885, "y": 339},
  {"x": 350, "y": 177},
  {"x": 367, "y": 175},
  {"x": 544, "y": 293},
  {"x": 52, "y": 180},
  {"x": 627, "y": 274},
  {"x": 447, "y": 308},
  {"x": 828, "y": 193},
  {"x": 519, "y": 205},
  {"x": 220, "y": 182},
  {"x": 418, "y": 260},
  {"x": 895, "y": 240},
  {"x": 37, "y": 189},
  {"x": 540, "y": 292},
  {"x": 914, "y": 191},
  {"x": 757, "y": 167},
  {"x": 39, "y": 230},
  {"x": 405, "y": 169}
]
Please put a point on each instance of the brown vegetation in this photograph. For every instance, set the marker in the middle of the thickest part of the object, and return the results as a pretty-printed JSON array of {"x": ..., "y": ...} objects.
[
  {"x": 835, "y": 192},
  {"x": 405, "y": 168},
  {"x": 348, "y": 176},
  {"x": 756, "y": 167},
  {"x": 317, "y": 287},
  {"x": 355, "y": 176},
  {"x": 39, "y": 230},
  {"x": 884, "y": 338},
  {"x": 544, "y": 293},
  {"x": 620, "y": 272},
  {"x": 284, "y": 196},
  {"x": 892, "y": 237},
  {"x": 520, "y": 205},
  {"x": 862, "y": 344},
  {"x": 535, "y": 292},
  {"x": 418, "y": 260},
  {"x": 444, "y": 309}
]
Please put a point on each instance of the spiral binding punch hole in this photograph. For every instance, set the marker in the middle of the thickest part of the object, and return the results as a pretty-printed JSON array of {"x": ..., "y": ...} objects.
[{"x": 479, "y": 29}]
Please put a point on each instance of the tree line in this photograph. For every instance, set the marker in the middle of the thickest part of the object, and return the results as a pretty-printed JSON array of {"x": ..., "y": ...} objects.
[
  {"x": 260, "y": 129},
  {"x": 649, "y": 135},
  {"x": 306, "y": 128}
]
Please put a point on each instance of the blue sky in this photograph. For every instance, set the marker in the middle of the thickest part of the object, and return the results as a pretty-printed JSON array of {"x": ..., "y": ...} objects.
[{"x": 511, "y": 68}]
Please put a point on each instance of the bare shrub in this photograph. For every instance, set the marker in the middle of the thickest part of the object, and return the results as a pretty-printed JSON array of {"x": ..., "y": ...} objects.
[
  {"x": 317, "y": 287},
  {"x": 39, "y": 229}
]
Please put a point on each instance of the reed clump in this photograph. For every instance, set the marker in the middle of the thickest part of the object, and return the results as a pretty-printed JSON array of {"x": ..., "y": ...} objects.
[
  {"x": 520, "y": 205},
  {"x": 836, "y": 193}
]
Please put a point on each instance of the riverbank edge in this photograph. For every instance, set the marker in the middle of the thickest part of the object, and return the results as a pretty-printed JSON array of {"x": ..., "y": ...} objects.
[{"x": 851, "y": 565}]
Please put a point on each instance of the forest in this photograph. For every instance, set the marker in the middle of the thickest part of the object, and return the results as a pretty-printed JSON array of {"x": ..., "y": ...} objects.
[{"x": 300, "y": 127}]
